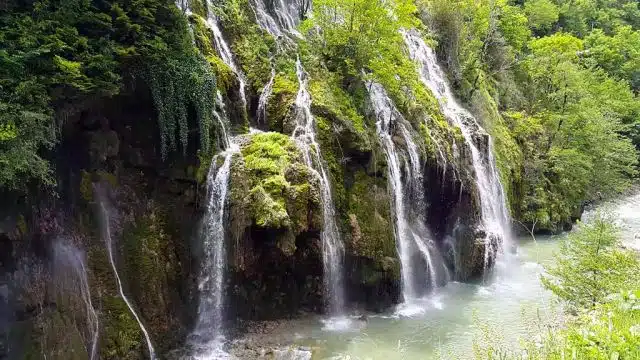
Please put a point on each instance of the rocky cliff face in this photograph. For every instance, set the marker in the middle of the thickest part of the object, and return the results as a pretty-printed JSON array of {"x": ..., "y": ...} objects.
[{"x": 275, "y": 260}]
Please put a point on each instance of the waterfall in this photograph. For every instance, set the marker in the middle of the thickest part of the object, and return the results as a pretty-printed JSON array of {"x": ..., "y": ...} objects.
[
  {"x": 412, "y": 236},
  {"x": 495, "y": 216},
  {"x": 332, "y": 248},
  {"x": 264, "y": 98},
  {"x": 67, "y": 257},
  {"x": 285, "y": 20},
  {"x": 223, "y": 49},
  {"x": 106, "y": 235},
  {"x": 208, "y": 332}
]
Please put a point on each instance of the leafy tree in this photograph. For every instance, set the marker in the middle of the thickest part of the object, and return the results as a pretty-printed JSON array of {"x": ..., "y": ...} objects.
[
  {"x": 364, "y": 36},
  {"x": 581, "y": 17},
  {"x": 590, "y": 265},
  {"x": 542, "y": 14},
  {"x": 618, "y": 55}
]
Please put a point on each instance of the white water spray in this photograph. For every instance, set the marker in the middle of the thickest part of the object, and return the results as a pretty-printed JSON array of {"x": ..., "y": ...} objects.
[
  {"x": 411, "y": 236},
  {"x": 495, "y": 216},
  {"x": 106, "y": 235},
  {"x": 332, "y": 247},
  {"x": 67, "y": 255},
  {"x": 282, "y": 20},
  {"x": 208, "y": 332}
]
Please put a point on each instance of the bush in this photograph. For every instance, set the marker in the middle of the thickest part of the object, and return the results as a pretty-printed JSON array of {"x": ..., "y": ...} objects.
[{"x": 590, "y": 265}]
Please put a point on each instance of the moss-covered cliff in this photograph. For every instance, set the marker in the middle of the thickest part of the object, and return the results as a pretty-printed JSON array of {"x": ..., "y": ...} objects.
[{"x": 135, "y": 98}]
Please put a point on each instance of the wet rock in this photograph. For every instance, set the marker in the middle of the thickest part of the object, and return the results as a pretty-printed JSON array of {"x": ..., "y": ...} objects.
[{"x": 103, "y": 144}]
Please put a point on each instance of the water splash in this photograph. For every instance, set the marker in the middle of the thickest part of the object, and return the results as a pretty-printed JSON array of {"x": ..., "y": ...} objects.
[
  {"x": 68, "y": 256},
  {"x": 332, "y": 248},
  {"x": 495, "y": 216},
  {"x": 412, "y": 236},
  {"x": 106, "y": 236}
]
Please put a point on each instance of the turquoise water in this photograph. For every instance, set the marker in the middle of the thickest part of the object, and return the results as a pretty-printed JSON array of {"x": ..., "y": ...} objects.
[
  {"x": 512, "y": 303},
  {"x": 509, "y": 307}
]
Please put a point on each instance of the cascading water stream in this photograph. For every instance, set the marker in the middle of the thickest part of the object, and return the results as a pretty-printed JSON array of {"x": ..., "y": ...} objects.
[
  {"x": 106, "y": 235},
  {"x": 332, "y": 248},
  {"x": 304, "y": 135},
  {"x": 263, "y": 101},
  {"x": 67, "y": 255},
  {"x": 208, "y": 332},
  {"x": 495, "y": 216},
  {"x": 280, "y": 24},
  {"x": 223, "y": 49},
  {"x": 208, "y": 336},
  {"x": 411, "y": 235}
]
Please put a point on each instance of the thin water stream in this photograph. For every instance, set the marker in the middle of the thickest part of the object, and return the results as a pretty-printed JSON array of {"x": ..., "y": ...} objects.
[
  {"x": 106, "y": 235},
  {"x": 71, "y": 264},
  {"x": 304, "y": 135}
]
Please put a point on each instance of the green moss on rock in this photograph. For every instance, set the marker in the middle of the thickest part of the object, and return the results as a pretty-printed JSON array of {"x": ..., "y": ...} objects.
[
  {"x": 121, "y": 336},
  {"x": 274, "y": 187},
  {"x": 370, "y": 218},
  {"x": 280, "y": 107},
  {"x": 198, "y": 7},
  {"x": 224, "y": 75}
]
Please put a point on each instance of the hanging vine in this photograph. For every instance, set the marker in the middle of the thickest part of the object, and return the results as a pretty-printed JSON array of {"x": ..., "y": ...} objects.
[{"x": 178, "y": 84}]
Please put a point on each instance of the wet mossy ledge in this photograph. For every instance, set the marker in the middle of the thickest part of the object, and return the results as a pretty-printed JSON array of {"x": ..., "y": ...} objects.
[{"x": 273, "y": 189}]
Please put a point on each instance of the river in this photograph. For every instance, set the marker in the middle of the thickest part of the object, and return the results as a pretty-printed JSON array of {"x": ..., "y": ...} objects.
[
  {"x": 510, "y": 303},
  {"x": 510, "y": 306}
]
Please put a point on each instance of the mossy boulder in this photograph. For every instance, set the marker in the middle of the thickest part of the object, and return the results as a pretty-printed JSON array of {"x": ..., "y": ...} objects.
[
  {"x": 280, "y": 108},
  {"x": 274, "y": 189}
]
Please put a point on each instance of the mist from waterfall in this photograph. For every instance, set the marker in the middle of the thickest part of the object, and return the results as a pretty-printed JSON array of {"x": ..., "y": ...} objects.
[
  {"x": 108, "y": 239},
  {"x": 304, "y": 135},
  {"x": 413, "y": 239},
  {"x": 70, "y": 269},
  {"x": 495, "y": 215}
]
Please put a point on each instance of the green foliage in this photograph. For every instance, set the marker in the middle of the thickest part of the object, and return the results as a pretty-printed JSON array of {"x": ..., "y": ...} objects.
[
  {"x": 600, "y": 282},
  {"x": 122, "y": 338},
  {"x": 59, "y": 55},
  {"x": 590, "y": 265},
  {"x": 618, "y": 55},
  {"x": 542, "y": 14},
  {"x": 175, "y": 84},
  {"x": 364, "y": 36},
  {"x": 609, "y": 331},
  {"x": 559, "y": 107},
  {"x": 581, "y": 17},
  {"x": 361, "y": 34},
  {"x": 252, "y": 46}
]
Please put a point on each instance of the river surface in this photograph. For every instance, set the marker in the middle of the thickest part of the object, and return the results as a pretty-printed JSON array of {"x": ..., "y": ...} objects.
[{"x": 508, "y": 307}]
